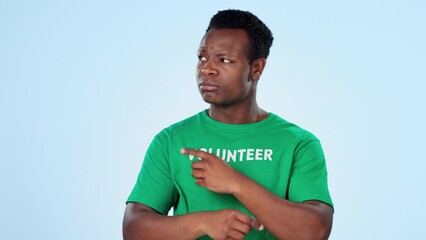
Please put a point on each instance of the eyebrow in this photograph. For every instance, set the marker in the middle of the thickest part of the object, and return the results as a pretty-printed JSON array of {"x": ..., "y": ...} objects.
[{"x": 218, "y": 54}]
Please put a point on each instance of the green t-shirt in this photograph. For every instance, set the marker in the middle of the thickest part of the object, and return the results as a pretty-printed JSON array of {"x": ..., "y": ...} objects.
[{"x": 282, "y": 157}]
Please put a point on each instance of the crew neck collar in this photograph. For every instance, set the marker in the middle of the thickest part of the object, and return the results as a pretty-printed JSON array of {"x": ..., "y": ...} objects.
[{"x": 236, "y": 127}]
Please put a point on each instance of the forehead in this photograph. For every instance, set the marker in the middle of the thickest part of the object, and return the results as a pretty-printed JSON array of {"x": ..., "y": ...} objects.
[{"x": 229, "y": 40}]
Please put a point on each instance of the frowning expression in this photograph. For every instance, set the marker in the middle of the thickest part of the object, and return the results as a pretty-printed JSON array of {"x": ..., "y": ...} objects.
[{"x": 223, "y": 69}]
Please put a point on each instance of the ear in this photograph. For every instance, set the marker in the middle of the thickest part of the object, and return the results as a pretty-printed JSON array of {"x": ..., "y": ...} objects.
[{"x": 257, "y": 67}]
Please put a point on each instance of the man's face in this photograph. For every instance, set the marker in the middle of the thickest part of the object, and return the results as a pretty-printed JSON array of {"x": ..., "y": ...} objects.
[{"x": 223, "y": 69}]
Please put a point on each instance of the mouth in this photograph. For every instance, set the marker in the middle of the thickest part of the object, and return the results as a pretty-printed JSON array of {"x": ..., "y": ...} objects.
[{"x": 206, "y": 87}]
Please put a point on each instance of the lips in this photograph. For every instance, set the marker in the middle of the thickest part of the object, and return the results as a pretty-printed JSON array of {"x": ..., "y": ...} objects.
[{"x": 208, "y": 87}]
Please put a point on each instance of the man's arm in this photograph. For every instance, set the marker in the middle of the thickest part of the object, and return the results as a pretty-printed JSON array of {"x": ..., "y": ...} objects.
[
  {"x": 143, "y": 222},
  {"x": 283, "y": 218}
]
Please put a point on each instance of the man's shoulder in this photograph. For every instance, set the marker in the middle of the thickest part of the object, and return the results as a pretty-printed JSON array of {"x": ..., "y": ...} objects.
[
  {"x": 185, "y": 124},
  {"x": 292, "y": 129},
  {"x": 179, "y": 128}
]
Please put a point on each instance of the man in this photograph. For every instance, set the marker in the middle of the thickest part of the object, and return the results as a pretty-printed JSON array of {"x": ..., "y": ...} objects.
[{"x": 233, "y": 171}]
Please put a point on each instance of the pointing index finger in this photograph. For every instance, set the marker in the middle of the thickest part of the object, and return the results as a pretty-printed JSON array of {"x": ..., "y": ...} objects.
[{"x": 195, "y": 152}]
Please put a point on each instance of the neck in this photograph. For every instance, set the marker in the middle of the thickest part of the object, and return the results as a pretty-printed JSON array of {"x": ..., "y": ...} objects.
[{"x": 237, "y": 114}]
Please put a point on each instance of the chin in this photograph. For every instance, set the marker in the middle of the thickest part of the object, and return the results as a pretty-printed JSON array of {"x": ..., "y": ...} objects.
[
  {"x": 217, "y": 103},
  {"x": 211, "y": 101}
]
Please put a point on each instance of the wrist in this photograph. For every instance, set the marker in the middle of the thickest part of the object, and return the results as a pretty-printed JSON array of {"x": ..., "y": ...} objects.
[
  {"x": 238, "y": 184},
  {"x": 201, "y": 223}
]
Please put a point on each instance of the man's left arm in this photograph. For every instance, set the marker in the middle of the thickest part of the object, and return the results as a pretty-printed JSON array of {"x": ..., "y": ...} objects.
[{"x": 283, "y": 218}]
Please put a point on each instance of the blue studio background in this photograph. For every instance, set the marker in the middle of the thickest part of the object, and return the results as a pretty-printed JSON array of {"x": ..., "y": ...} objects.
[{"x": 85, "y": 86}]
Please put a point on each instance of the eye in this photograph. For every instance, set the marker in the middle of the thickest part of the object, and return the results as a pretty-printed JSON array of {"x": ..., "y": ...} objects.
[
  {"x": 201, "y": 58},
  {"x": 224, "y": 60}
]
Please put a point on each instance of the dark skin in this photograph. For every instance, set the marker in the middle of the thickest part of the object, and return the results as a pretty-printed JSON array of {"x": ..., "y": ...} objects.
[{"x": 227, "y": 80}]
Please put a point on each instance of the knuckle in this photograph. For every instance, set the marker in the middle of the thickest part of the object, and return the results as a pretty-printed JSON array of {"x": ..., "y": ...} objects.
[{"x": 233, "y": 213}]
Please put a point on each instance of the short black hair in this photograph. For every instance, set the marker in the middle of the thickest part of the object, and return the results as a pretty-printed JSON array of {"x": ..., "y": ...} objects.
[{"x": 259, "y": 35}]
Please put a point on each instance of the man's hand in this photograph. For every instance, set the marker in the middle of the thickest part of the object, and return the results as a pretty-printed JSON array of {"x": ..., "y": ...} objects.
[
  {"x": 213, "y": 173},
  {"x": 229, "y": 224},
  {"x": 142, "y": 222}
]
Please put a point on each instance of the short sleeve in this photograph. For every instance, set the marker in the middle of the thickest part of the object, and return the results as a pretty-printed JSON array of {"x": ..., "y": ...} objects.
[
  {"x": 308, "y": 180},
  {"x": 154, "y": 186}
]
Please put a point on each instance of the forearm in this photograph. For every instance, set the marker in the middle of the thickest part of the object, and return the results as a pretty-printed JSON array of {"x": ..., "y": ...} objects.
[
  {"x": 283, "y": 218},
  {"x": 142, "y": 224}
]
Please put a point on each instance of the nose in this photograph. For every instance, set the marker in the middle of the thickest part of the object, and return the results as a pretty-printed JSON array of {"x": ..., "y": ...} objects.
[{"x": 208, "y": 68}]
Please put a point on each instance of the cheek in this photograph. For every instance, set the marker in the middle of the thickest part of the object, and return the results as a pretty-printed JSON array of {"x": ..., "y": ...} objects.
[
  {"x": 242, "y": 79},
  {"x": 245, "y": 83}
]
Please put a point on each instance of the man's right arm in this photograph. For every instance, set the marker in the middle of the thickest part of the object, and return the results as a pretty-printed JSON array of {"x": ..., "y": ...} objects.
[{"x": 143, "y": 222}]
